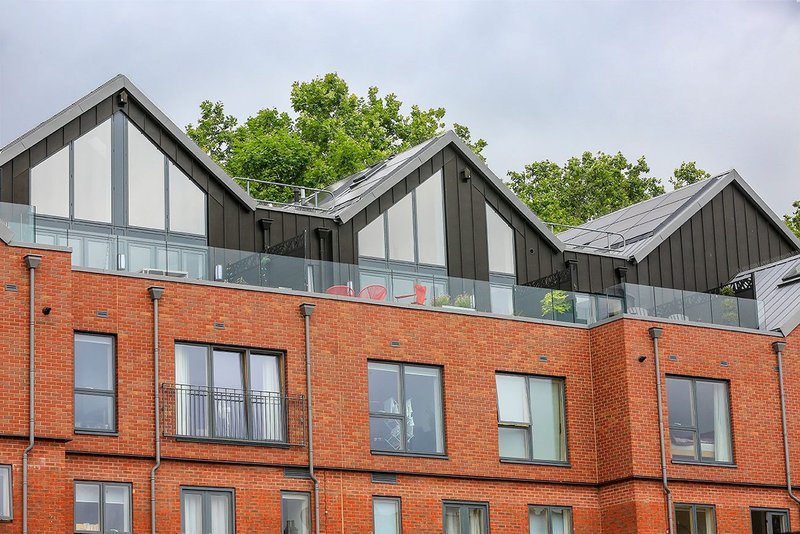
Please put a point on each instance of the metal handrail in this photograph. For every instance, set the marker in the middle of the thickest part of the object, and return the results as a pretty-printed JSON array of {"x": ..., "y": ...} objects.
[
  {"x": 300, "y": 191},
  {"x": 608, "y": 233}
]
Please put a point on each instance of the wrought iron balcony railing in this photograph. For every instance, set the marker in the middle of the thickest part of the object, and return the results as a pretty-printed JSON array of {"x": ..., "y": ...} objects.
[{"x": 225, "y": 414}]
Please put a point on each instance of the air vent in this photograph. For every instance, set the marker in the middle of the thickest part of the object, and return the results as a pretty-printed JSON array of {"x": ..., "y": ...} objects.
[
  {"x": 11, "y": 287},
  {"x": 542, "y": 358},
  {"x": 296, "y": 472},
  {"x": 384, "y": 478},
  {"x": 103, "y": 314},
  {"x": 219, "y": 326},
  {"x": 673, "y": 358}
]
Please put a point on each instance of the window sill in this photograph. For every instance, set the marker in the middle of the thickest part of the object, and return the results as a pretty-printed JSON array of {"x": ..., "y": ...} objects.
[
  {"x": 223, "y": 441},
  {"x": 705, "y": 464},
  {"x": 95, "y": 433},
  {"x": 543, "y": 463},
  {"x": 410, "y": 455}
]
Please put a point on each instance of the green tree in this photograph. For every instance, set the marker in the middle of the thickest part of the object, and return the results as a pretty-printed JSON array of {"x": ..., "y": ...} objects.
[
  {"x": 584, "y": 188},
  {"x": 330, "y": 133},
  {"x": 793, "y": 220},
  {"x": 687, "y": 173}
]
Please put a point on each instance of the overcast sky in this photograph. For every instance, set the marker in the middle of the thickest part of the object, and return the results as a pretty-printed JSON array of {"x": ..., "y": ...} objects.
[{"x": 713, "y": 82}]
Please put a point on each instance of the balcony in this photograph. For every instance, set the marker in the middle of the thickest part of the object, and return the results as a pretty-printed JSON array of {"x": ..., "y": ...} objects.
[
  {"x": 417, "y": 286},
  {"x": 231, "y": 415}
]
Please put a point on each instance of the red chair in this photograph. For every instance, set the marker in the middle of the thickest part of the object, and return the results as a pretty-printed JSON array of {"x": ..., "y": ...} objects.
[
  {"x": 419, "y": 294},
  {"x": 373, "y": 292},
  {"x": 344, "y": 291}
]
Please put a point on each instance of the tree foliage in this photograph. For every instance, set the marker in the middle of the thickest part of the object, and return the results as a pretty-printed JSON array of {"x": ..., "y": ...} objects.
[
  {"x": 687, "y": 173},
  {"x": 793, "y": 220},
  {"x": 330, "y": 133}
]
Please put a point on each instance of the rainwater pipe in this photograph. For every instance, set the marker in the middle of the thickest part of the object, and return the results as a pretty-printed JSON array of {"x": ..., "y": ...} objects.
[
  {"x": 32, "y": 261},
  {"x": 155, "y": 295},
  {"x": 655, "y": 333},
  {"x": 779, "y": 347},
  {"x": 306, "y": 310}
]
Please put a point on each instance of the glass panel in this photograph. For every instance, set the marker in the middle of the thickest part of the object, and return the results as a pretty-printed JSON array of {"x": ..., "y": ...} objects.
[
  {"x": 512, "y": 399},
  {"x": 5, "y": 491},
  {"x": 187, "y": 203},
  {"x": 145, "y": 181},
  {"x": 501, "y": 243},
  {"x": 430, "y": 221},
  {"x": 266, "y": 403},
  {"x": 98, "y": 254},
  {"x": 117, "y": 509},
  {"x": 561, "y": 520},
  {"x": 229, "y": 413},
  {"x": 384, "y": 388},
  {"x": 87, "y": 507},
  {"x": 192, "y": 514},
  {"x": 514, "y": 442},
  {"x": 295, "y": 513},
  {"x": 713, "y": 421},
  {"x": 724, "y": 310},
  {"x": 401, "y": 230},
  {"x": 682, "y": 444},
  {"x": 94, "y": 362},
  {"x": 679, "y": 402},
  {"x": 546, "y": 419},
  {"x": 371, "y": 240},
  {"x": 537, "y": 520},
  {"x": 684, "y": 522},
  {"x": 705, "y": 520},
  {"x": 452, "y": 520},
  {"x": 386, "y": 434},
  {"x": 386, "y": 514},
  {"x": 92, "y": 174},
  {"x": 423, "y": 410},
  {"x": 502, "y": 299},
  {"x": 191, "y": 365},
  {"x": 94, "y": 412},
  {"x": 219, "y": 513},
  {"x": 50, "y": 185}
]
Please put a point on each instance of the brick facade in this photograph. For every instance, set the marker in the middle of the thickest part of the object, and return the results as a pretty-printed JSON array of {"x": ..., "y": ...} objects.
[{"x": 612, "y": 481}]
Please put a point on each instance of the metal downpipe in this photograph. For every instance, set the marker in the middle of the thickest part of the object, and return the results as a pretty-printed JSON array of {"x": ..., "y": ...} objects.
[
  {"x": 306, "y": 310},
  {"x": 655, "y": 333},
  {"x": 779, "y": 347},
  {"x": 32, "y": 261},
  {"x": 155, "y": 296}
]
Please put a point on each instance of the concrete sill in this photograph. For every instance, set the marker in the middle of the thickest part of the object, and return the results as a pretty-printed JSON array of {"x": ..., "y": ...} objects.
[
  {"x": 705, "y": 464},
  {"x": 535, "y": 462},
  {"x": 410, "y": 455},
  {"x": 95, "y": 433},
  {"x": 236, "y": 442}
]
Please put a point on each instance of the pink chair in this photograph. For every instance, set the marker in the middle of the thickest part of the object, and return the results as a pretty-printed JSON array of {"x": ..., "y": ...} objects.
[
  {"x": 344, "y": 291},
  {"x": 373, "y": 292},
  {"x": 419, "y": 294}
]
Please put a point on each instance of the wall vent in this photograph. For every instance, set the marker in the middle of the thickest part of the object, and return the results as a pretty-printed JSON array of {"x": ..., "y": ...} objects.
[
  {"x": 543, "y": 358},
  {"x": 296, "y": 472},
  {"x": 219, "y": 326},
  {"x": 102, "y": 314},
  {"x": 673, "y": 358},
  {"x": 384, "y": 478},
  {"x": 11, "y": 287}
]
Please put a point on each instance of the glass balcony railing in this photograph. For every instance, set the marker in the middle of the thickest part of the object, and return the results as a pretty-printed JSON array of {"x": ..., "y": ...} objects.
[{"x": 410, "y": 286}]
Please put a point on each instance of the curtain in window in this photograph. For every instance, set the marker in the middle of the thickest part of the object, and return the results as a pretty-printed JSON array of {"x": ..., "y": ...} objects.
[
  {"x": 722, "y": 438},
  {"x": 192, "y": 513},
  {"x": 705, "y": 521},
  {"x": 191, "y": 400},
  {"x": 5, "y": 501},
  {"x": 220, "y": 521},
  {"x": 561, "y": 521},
  {"x": 266, "y": 404},
  {"x": 229, "y": 413},
  {"x": 452, "y": 523},
  {"x": 476, "y": 521},
  {"x": 537, "y": 521}
]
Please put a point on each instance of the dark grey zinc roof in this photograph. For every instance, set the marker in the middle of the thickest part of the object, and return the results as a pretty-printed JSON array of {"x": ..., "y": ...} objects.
[
  {"x": 780, "y": 299},
  {"x": 646, "y": 224},
  {"x": 110, "y": 88}
]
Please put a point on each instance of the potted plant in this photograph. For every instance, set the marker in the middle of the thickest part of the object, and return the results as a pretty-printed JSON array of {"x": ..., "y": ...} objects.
[{"x": 441, "y": 300}]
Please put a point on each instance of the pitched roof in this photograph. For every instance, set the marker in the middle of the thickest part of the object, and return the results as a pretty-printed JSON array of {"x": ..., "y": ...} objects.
[
  {"x": 778, "y": 292},
  {"x": 108, "y": 89},
  {"x": 646, "y": 225}
]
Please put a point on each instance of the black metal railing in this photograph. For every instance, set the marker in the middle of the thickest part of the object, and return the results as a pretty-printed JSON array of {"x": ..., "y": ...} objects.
[{"x": 233, "y": 414}]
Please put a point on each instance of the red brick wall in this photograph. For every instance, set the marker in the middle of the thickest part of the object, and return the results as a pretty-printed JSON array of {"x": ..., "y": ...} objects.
[{"x": 612, "y": 481}]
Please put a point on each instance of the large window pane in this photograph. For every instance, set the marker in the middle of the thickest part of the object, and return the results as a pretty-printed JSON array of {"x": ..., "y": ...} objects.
[
  {"x": 117, "y": 509},
  {"x": 386, "y": 515},
  {"x": 92, "y": 174},
  {"x": 187, "y": 204},
  {"x": 50, "y": 185},
  {"x": 423, "y": 397},
  {"x": 501, "y": 243},
  {"x": 546, "y": 419},
  {"x": 87, "y": 507},
  {"x": 219, "y": 512},
  {"x": 228, "y": 394},
  {"x": 266, "y": 404},
  {"x": 712, "y": 421},
  {"x": 561, "y": 520},
  {"x": 192, "y": 513},
  {"x": 512, "y": 399},
  {"x": 145, "y": 181},
  {"x": 94, "y": 412},
  {"x": 371, "y": 240},
  {"x": 94, "y": 362},
  {"x": 384, "y": 388},
  {"x": 514, "y": 442},
  {"x": 401, "y": 230},
  {"x": 5, "y": 491},
  {"x": 295, "y": 513},
  {"x": 430, "y": 221},
  {"x": 679, "y": 402}
]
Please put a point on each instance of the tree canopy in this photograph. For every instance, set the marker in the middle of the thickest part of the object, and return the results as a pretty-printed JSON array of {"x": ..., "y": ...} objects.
[
  {"x": 793, "y": 219},
  {"x": 330, "y": 133}
]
